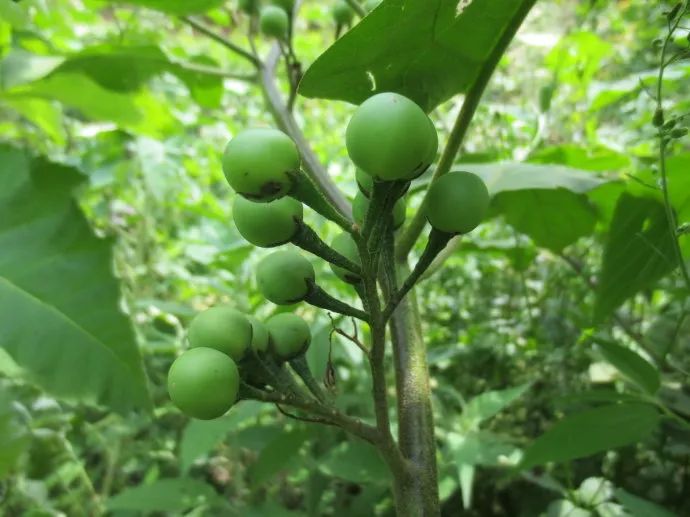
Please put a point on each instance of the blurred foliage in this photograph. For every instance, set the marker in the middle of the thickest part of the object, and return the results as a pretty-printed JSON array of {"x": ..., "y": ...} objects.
[{"x": 131, "y": 107}]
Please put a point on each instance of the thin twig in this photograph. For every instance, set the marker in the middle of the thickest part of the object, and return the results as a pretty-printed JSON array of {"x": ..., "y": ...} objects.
[{"x": 219, "y": 38}]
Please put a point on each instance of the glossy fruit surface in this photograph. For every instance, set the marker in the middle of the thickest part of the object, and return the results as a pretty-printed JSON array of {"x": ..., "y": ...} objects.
[
  {"x": 221, "y": 328},
  {"x": 391, "y": 138},
  {"x": 289, "y": 335},
  {"x": 344, "y": 244},
  {"x": 360, "y": 205},
  {"x": 457, "y": 202},
  {"x": 283, "y": 277},
  {"x": 274, "y": 22},
  {"x": 259, "y": 335},
  {"x": 258, "y": 163},
  {"x": 365, "y": 182},
  {"x": 267, "y": 224},
  {"x": 203, "y": 383}
]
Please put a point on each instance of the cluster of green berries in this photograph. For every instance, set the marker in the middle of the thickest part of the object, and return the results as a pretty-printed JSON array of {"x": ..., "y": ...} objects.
[
  {"x": 389, "y": 139},
  {"x": 224, "y": 346}
]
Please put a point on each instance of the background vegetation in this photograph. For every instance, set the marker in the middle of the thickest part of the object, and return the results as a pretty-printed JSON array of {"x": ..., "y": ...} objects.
[{"x": 115, "y": 230}]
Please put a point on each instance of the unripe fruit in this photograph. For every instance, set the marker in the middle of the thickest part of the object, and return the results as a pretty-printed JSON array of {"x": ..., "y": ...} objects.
[
  {"x": 249, "y": 6},
  {"x": 345, "y": 245},
  {"x": 267, "y": 224},
  {"x": 364, "y": 181},
  {"x": 457, "y": 202},
  {"x": 221, "y": 328},
  {"x": 259, "y": 335},
  {"x": 283, "y": 277},
  {"x": 274, "y": 22},
  {"x": 203, "y": 383},
  {"x": 258, "y": 163},
  {"x": 360, "y": 205},
  {"x": 342, "y": 13},
  {"x": 289, "y": 335},
  {"x": 391, "y": 138}
]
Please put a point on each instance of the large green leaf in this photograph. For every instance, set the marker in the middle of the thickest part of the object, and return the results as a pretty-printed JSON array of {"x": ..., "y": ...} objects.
[
  {"x": 546, "y": 202},
  {"x": 277, "y": 455},
  {"x": 175, "y": 6},
  {"x": 638, "y": 252},
  {"x": 165, "y": 495},
  {"x": 481, "y": 448},
  {"x": 201, "y": 436},
  {"x": 595, "y": 430},
  {"x": 640, "y": 507},
  {"x": 631, "y": 365},
  {"x": 355, "y": 461},
  {"x": 438, "y": 49},
  {"x": 59, "y": 300},
  {"x": 487, "y": 404}
]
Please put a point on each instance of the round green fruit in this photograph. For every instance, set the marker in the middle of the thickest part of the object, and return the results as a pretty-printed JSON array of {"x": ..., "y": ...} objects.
[
  {"x": 344, "y": 244},
  {"x": 364, "y": 181},
  {"x": 259, "y": 335},
  {"x": 258, "y": 163},
  {"x": 274, "y": 22},
  {"x": 289, "y": 335},
  {"x": 203, "y": 383},
  {"x": 283, "y": 277},
  {"x": 342, "y": 13},
  {"x": 360, "y": 206},
  {"x": 391, "y": 138},
  {"x": 248, "y": 6},
  {"x": 221, "y": 328},
  {"x": 457, "y": 202},
  {"x": 267, "y": 224}
]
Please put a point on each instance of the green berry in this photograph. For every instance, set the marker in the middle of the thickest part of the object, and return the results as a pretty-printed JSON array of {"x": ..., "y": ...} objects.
[
  {"x": 364, "y": 181},
  {"x": 203, "y": 383},
  {"x": 267, "y": 224},
  {"x": 274, "y": 22},
  {"x": 283, "y": 277},
  {"x": 360, "y": 206},
  {"x": 249, "y": 6},
  {"x": 221, "y": 328},
  {"x": 344, "y": 244},
  {"x": 289, "y": 335},
  {"x": 258, "y": 164},
  {"x": 259, "y": 335},
  {"x": 342, "y": 13},
  {"x": 391, "y": 138},
  {"x": 457, "y": 202}
]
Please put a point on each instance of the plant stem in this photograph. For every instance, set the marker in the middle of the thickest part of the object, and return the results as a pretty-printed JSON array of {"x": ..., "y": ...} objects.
[
  {"x": 415, "y": 416},
  {"x": 357, "y": 8},
  {"x": 308, "y": 240},
  {"x": 320, "y": 298},
  {"x": 462, "y": 123},
  {"x": 301, "y": 368},
  {"x": 218, "y": 38}
]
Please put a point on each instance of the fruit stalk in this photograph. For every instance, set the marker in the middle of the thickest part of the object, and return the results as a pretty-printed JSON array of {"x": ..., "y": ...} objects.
[
  {"x": 305, "y": 190},
  {"x": 320, "y": 298},
  {"x": 301, "y": 367},
  {"x": 308, "y": 240}
]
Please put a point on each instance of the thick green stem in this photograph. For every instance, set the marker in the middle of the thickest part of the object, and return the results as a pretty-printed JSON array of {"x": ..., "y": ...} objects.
[
  {"x": 320, "y": 298},
  {"x": 301, "y": 368},
  {"x": 462, "y": 123},
  {"x": 418, "y": 489},
  {"x": 308, "y": 240},
  {"x": 306, "y": 191}
]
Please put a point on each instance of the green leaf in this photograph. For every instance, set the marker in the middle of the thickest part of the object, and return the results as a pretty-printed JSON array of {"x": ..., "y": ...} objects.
[
  {"x": 201, "y": 436},
  {"x": 52, "y": 268},
  {"x": 484, "y": 406},
  {"x": 638, "y": 252},
  {"x": 592, "y": 431},
  {"x": 640, "y": 507},
  {"x": 277, "y": 455},
  {"x": 631, "y": 365},
  {"x": 175, "y": 6},
  {"x": 44, "y": 114},
  {"x": 415, "y": 59},
  {"x": 21, "y": 67},
  {"x": 590, "y": 158},
  {"x": 165, "y": 495},
  {"x": 481, "y": 448},
  {"x": 546, "y": 202},
  {"x": 15, "y": 435},
  {"x": 355, "y": 461}
]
